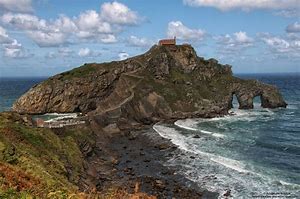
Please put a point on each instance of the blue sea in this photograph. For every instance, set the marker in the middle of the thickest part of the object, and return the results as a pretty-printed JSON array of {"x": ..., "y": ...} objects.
[
  {"x": 12, "y": 88},
  {"x": 253, "y": 153}
]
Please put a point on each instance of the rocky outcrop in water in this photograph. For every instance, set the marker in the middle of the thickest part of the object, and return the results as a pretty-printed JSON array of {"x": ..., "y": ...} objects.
[{"x": 167, "y": 82}]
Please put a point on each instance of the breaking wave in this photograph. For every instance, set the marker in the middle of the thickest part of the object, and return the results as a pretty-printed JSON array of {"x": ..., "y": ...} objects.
[
  {"x": 189, "y": 125},
  {"x": 183, "y": 143}
]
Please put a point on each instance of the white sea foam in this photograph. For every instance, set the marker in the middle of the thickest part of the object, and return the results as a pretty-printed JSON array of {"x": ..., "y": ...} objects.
[
  {"x": 293, "y": 106},
  {"x": 213, "y": 134},
  {"x": 177, "y": 139},
  {"x": 61, "y": 116},
  {"x": 170, "y": 133},
  {"x": 180, "y": 124},
  {"x": 181, "y": 142},
  {"x": 269, "y": 110},
  {"x": 243, "y": 115},
  {"x": 230, "y": 163},
  {"x": 290, "y": 185},
  {"x": 190, "y": 125}
]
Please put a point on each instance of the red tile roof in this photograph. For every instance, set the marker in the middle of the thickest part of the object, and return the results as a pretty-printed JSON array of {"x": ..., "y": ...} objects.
[{"x": 167, "y": 42}]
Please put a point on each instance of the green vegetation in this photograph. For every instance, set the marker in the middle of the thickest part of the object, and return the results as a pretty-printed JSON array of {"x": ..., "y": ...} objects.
[
  {"x": 88, "y": 69},
  {"x": 182, "y": 91},
  {"x": 178, "y": 76},
  {"x": 81, "y": 71},
  {"x": 33, "y": 161}
]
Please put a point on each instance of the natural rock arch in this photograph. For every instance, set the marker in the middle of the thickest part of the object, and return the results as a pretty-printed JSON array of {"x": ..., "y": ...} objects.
[
  {"x": 269, "y": 97},
  {"x": 232, "y": 100},
  {"x": 257, "y": 99},
  {"x": 245, "y": 100}
]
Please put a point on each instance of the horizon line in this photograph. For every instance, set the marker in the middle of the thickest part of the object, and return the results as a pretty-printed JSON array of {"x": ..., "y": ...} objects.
[{"x": 239, "y": 73}]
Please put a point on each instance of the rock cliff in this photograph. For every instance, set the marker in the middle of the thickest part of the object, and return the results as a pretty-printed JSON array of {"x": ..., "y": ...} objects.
[{"x": 167, "y": 82}]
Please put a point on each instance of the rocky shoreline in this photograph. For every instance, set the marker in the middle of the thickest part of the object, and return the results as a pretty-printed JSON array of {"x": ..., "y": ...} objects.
[
  {"x": 136, "y": 158},
  {"x": 88, "y": 161}
]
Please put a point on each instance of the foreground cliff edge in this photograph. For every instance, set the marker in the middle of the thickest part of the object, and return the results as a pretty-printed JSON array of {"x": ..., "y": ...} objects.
[{"x": 119, "y": 101}]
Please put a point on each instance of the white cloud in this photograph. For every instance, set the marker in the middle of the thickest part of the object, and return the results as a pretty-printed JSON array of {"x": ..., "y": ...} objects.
[
  {"x": 48, "y": 39},
  {"x": 242, "y": 38},
  {"x": 107, "y": 39},
  {"x": 245, "y": 4},
  {"x": 64, "y": 24},
  {"x": 234, "y": 43},
  {"x": 4, "y": 38},
  {"x": 88, "y": 26},
  {"x": 139, "y": 42},
  {"x": 16, "y": 5},
  {"x": 65, "y": 52},
  {"x": 178, "y": 29},
  {"x": 123, "y": 55},
  {"x": 12, "y": 48},
  {"x": 15, "y": 50},
  {"x": 293, "y": 36},
  {"x": 279, "y": 46},
  {"x": 86, "y": 52},
  {"x": 118, "y": 13},
  {"x": 50, "y": 55},
  {"x": 90, "y": 21},
  {"x": 44, "y": 33},
  {"x": 292, "y": 28},
  {"x": 24, "y": 21},
  {"x": 289, "y": 13}
]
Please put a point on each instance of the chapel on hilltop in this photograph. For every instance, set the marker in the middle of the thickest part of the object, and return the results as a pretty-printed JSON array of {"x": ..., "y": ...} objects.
[{"x": 167, "y": 42}]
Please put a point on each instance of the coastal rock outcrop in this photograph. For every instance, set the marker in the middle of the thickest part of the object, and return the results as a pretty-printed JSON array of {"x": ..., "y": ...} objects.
[{"x": 167, "y": 82}]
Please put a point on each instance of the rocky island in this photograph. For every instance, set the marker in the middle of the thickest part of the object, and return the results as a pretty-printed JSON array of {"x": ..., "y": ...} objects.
[
  {"x": 167, "y": 82},
  {"x": 116, "y": 146}
]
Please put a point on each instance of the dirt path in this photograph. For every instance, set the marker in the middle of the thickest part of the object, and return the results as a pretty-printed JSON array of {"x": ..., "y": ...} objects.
[{"x": 128, "y": 98}]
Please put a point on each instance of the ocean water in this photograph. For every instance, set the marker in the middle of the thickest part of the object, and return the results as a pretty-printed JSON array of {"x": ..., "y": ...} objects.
[
  {"x": 12, "y": 88},
  {"x": 254, "y": 153}
]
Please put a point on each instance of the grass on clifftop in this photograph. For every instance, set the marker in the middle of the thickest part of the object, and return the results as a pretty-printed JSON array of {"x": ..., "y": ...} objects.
[
  {"x": 80, "y": 71},
  {"x": 88, "y": 69},
  {"x": 33, "y": 161},
  {"x": 181, "y": 91}
]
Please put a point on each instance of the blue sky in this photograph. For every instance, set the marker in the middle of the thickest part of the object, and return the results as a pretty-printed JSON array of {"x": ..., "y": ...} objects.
[{"x": 43, "y": 37}]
